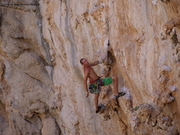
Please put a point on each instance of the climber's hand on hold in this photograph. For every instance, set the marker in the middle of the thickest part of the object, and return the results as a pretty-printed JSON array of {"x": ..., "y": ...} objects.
[{"x": 87, "y": 94}]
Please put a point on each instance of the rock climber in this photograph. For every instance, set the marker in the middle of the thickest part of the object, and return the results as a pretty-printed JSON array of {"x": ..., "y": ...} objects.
[{"x": 96, "y": 82}]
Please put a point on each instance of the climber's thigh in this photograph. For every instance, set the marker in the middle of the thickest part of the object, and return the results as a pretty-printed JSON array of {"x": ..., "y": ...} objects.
[{"x": 115, "y": 78}]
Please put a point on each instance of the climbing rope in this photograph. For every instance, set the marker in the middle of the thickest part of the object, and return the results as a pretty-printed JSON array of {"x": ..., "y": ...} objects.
[{"x": 108, "y": 72}]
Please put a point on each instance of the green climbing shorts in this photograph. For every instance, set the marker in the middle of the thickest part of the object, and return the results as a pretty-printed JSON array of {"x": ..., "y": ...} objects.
[
  {"x": 107, "y": 80},
  {"x": 95, "y": 86}
]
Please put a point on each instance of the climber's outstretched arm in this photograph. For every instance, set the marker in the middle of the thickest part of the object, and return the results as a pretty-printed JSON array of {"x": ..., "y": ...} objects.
[
  {"x": 86, "y": 72},
  {"x": 94, "y": 63}
]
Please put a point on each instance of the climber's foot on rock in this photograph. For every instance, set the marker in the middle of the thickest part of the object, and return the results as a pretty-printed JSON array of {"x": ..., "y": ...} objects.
[
  {"x": 119, "y": 94},
  {"x": 99, "y": 107}
]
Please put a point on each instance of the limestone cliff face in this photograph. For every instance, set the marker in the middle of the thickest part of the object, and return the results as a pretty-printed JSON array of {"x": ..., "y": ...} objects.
[{"x": 41, "y": 79}]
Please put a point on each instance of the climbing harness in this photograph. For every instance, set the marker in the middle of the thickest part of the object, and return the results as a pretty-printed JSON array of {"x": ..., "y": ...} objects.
[{"x": 95, "y": 86}]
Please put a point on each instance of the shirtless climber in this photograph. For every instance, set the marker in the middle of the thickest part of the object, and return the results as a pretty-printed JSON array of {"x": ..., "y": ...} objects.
[{"x": 96, "y": 82}]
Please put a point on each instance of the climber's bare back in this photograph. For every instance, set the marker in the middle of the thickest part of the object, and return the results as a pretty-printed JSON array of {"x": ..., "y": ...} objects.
[{"x": 91, "y": 73}]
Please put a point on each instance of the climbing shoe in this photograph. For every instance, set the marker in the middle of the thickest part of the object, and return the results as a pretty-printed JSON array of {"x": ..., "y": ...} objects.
[
  {"x": 99, "y": 107},
  {"x": 120, "y": 94}
]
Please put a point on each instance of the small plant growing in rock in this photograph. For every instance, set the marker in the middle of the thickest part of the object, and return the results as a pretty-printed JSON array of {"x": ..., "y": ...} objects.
[{"x": 136, "y": 108}]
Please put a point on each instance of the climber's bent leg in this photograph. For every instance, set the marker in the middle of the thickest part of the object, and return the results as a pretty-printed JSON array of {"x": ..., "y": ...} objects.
[
  {"x": 114, "y": 80},
  {"x": 115, "y": 84}
]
